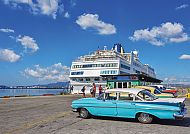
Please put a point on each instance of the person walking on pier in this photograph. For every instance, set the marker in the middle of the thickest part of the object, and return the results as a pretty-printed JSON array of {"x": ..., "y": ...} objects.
[
  {"x": 71, "y": 89},
  {"x": 83, "y": 91},
  {"x": 94, "y": 89},
  {"x": 100, "y": 89}
]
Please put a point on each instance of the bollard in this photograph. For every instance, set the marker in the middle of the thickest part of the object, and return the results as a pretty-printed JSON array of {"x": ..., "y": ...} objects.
[{"x": 188, "y": 95}]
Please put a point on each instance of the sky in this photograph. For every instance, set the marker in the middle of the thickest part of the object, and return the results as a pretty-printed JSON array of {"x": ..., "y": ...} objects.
[{"x": 39, "y": 39}]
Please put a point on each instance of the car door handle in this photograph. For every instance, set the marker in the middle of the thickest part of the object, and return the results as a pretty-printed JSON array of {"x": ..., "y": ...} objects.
[
  {"x": 114, "y": 102},
  {"x": 133, "y": 104}
]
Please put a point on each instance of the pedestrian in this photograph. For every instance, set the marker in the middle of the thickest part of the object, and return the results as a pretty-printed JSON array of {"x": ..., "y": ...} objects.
[
  {"x": 106, "y": 87},
  {"x": 91, "y": 90},
  {"x": 71, "y": 89},
  {"x": 83, "y": 91},
  {"x": 94, "y": 89},
  {"x": 100, "y": 89}
]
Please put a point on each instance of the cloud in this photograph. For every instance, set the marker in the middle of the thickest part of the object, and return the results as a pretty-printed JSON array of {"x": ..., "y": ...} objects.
[
  {"x": 44, "y": 7},
  {"x": 92, "y": 21},
  {"x": 177, "y": 80},
  {"x": 12, "y": 37},
  {"x": 166, "y": 33},
  {"x": 73, "y": 3},
  {"x": 184, "y": 57},
  {"x": 28, "y": 43},
  {"x": 66, "y": 15},
  {"x": 8, "y": 55},
  {"x": 48, "y": 7},
  {"x": 182, "y": 38},
  {"x": 6, "y": 30},
  {"x": 182, "y": 6},
  {"x": 56, "y": 72},
  {"x": 61, "y": 9}
]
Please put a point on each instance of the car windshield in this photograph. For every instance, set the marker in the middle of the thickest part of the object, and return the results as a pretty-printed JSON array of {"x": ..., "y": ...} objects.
[
  {"x": 101, "y": 97},
  {"x": 146, "y": 95},
  {"x": 157, "y": 91},
  {"x": 108, "y": 96}
]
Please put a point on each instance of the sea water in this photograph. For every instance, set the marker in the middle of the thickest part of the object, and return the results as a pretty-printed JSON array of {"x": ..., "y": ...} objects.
[{"x": 30, "y": 92}]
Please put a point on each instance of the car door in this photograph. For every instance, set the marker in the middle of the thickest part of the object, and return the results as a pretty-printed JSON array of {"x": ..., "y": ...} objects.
[
  {"x": 126, "y": 106},
  {"x": 107, "y": 106}
]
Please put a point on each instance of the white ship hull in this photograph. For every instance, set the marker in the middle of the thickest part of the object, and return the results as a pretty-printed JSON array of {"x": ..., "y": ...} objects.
[{"x": 77, "y": 86}]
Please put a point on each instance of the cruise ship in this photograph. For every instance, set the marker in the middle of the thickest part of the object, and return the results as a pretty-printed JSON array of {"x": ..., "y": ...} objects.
[{"x": 88, "y": 69}]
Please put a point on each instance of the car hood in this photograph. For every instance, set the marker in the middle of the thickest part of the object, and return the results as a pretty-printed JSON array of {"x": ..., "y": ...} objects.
[
  {"x": 170, "y": 100},
  {"x": 164, "y": 95}
]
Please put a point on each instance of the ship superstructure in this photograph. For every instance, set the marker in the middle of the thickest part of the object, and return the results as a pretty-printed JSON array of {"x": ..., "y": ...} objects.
[{"x": 88, "y": 69}]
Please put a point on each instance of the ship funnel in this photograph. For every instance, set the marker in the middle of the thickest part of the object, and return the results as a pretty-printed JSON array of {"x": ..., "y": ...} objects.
[{"x": 118, "y": 48}]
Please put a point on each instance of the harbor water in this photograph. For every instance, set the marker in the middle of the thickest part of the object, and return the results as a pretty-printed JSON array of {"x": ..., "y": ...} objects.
[{"x": 30, "y": 92}]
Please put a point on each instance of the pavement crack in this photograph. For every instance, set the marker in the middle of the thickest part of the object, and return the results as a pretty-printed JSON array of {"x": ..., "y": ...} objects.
[
  {"x": 38, "y": 123},
  {"x": 70, "y": 124}
]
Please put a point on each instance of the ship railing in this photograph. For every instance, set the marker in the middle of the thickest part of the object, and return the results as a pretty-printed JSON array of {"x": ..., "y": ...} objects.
[
  {"x": 96, "y": 59},
  {"x": 112, "y": 56}
]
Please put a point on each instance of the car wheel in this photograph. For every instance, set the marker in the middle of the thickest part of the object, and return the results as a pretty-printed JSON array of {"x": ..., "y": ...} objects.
[
  {"x": 83, "y": 113},
  {"x": 145, "y": 118}
]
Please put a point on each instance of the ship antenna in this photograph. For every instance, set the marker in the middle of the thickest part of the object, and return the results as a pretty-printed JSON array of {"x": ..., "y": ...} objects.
[
  {"x": 98, "y": 51},
  {"x": 105, "y": 47}
]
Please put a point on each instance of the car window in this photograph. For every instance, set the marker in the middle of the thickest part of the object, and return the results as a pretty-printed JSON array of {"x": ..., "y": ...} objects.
[
  {"x": 108, "y": 96},
  {"x": 137, "y": 98},
  {"x": 125, "y": 96},
  {"x": 146, "y": 95},
  {"x": 148, "y": 90},
  {"x": 111, "y": 96},
  {"x": 101, "y": 97},
  {"x": 157, "y": 91}
]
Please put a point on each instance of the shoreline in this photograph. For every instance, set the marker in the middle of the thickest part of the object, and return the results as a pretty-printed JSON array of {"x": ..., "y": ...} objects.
[
  {"x": 36, "y": 96},
  {"x": 41, "y": 96}
]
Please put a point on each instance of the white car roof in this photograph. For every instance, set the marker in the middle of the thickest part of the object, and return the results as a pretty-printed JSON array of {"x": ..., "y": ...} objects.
[
  {"x": 157, "y": 85},
  {"x": 125, "y": 90}
]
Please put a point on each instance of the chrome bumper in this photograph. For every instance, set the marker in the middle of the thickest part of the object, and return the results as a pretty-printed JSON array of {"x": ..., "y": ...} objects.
[
  {"x": 181, "y": 115},
  {"x": 74, "y": 110}
]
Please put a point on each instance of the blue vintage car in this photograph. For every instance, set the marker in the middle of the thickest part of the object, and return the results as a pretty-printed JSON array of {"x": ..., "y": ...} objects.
[{"x": 130, "y": 103}]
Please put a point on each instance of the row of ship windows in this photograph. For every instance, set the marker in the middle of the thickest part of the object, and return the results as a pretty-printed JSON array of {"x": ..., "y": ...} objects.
[
  {"x": 95, "y": 65},
  {"x": 105, "y": 65},
  {"x": 108, "y": 72},
  {"x": 150, "y": 72},
  {"x": 137, "y": 65},
  {"x": 151, "y": 69},
  {"x": 136, "y": 71},
  {"x": 101, "y": 72},
  {"x": 125, "y": 67},
  {"x": 88, "y": 79},
  {"x": 77, "y": 73}
]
